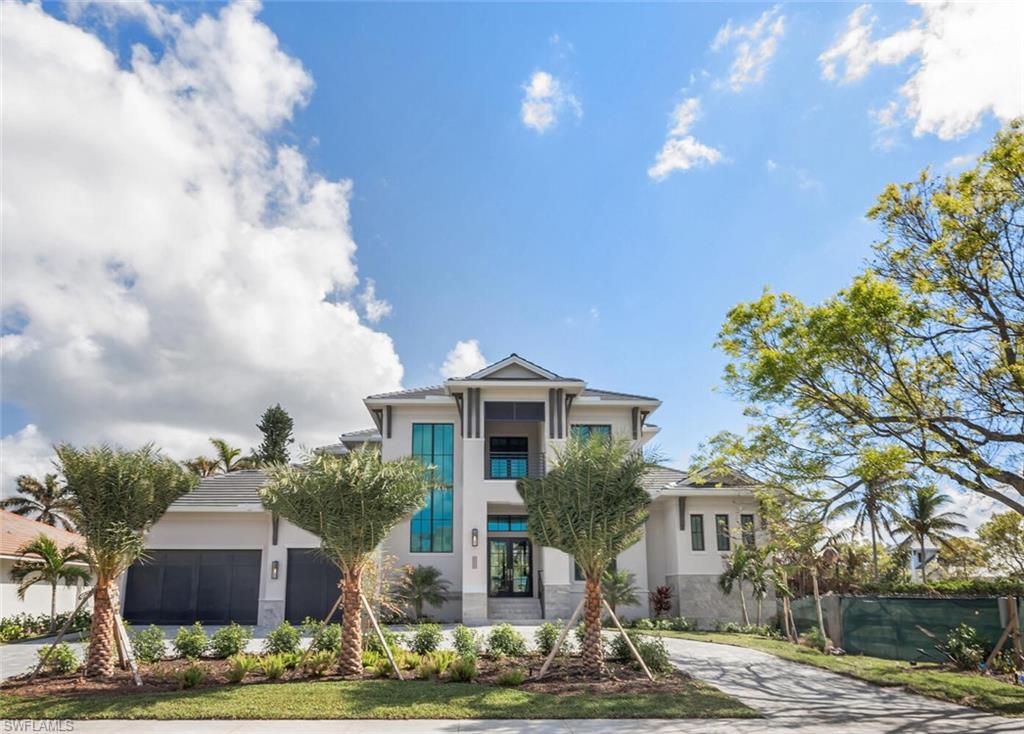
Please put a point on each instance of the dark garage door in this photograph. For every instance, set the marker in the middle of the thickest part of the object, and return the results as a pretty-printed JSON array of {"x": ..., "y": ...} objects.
[
  {"x": 312, "y": 586},
  {"x": 182, "y": 587}
]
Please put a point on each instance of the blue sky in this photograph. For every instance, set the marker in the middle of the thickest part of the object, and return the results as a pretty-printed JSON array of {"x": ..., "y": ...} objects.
[
  {"x": 556, "y": 243},
  {"x": 458, "y": 204}
]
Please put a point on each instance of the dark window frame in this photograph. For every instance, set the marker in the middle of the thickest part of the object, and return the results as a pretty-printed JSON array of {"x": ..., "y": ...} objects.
[
  {"x": 697, "y": 532},
  {"x": 722, "y": 538},
  {"x": 584, "y": 431},
  {"x": 430, "y": 522},
  {"x": 747, "y": 529}
]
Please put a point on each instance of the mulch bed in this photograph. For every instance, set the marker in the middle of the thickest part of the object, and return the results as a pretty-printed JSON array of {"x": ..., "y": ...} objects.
[{"x": 566, "y": 676}]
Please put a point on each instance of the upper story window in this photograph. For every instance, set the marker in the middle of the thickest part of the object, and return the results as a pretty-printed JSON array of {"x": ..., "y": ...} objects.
[
  {"x": 584, "y": 431},
  {"x": 747, "y": 528},
  {"x": 509, "y": 457},
  {"x": 431, "y": 527},
  {"x": 722, "y": 532},
  {"x": 506, "y": 523},
  {"x": 697, "y": 532}
]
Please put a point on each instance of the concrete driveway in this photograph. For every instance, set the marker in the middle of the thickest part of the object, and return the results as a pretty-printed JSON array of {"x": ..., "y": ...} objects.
[{"x": 792, "y": 697}]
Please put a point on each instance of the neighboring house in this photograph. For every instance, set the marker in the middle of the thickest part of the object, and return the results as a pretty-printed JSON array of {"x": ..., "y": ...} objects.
[
  {"x": 15, "y": 532},
  {"x": 217, "y": 555}
]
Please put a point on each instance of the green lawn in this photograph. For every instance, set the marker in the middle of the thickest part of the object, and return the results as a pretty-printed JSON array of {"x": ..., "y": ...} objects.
[
  {"x": 980, "y": 692},
  {"x": 377, "y": 699}
]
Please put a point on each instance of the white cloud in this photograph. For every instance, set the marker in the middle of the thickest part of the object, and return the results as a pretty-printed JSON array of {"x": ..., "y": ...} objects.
[
  {"x": 960, "y": 162},
  {"x": 465, "y": 358},
  {"x": 175, "y": 269},
  {"x": 373, "y": 308},
  {"x": 755, "y": 45},
  {"x": 969, "y": 63},
  {"x": 26, "y": 452},
  {"x": 682, "y": 151},
  {"x": 544, "y": 100}
]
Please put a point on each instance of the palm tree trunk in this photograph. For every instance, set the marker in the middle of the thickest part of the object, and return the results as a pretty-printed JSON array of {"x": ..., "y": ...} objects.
[
  {"x": 924, "y": 564},
  {"x": 743, "y": 605},
  {"x": 350, "y": 656},
  {"x": 593, "y": 653},
  {"x": 874, "y": 549},
  {"x": 759, "y": 600},
  {"x": 53, "y": 607},
  {"x": 100, "y": 660}
]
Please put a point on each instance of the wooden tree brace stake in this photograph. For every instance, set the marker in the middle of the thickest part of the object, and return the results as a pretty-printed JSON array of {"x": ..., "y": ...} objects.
[
  {"x": 380, "y": 636},
  {"x": 561, "y": 639},
  {"x": 320, "y": 628},
  {"x": 122, "y": 635},
  {"x": 629, "y": 642},
  {"x": 63, "y": 630}
]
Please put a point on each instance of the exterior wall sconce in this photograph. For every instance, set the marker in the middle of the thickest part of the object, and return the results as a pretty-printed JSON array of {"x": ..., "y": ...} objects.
[
  {"x": 275, "y": 568},
  {"x": 476, "y": 537}
]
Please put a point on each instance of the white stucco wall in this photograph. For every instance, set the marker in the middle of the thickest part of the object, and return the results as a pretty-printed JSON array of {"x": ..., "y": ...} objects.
[{"x": 37, "y": 598}]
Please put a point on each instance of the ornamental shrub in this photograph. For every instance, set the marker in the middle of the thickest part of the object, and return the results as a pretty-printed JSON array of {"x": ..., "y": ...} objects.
[
  {"x": 426, "y": 638},
  {"x": 513, "y": 677},
  {"x": 190, "y": 677},
  {"x": 547, "y": 635},
  {"x": 651, "y": 649},
  {"x": 814, "y": 638},
  {"x": 505, "y": 641},
  {"x": 191, "y": 642},
  {"x": 283, "y": 639},
  {"x": 463, "y": 670},
  {"x": 241, "y": 666},
  {"x": 230, "y": 640},
  {"x": 965, "y": 648},
  {"x": 62, "y": 660},
  {"x": 467, "y": 642},
  {"x": 148, "y": 644},
  {"x": 273, "y": 665}
]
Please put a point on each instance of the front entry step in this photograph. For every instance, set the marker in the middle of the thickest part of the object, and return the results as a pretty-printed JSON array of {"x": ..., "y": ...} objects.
[{"x": 513, "y": 609}]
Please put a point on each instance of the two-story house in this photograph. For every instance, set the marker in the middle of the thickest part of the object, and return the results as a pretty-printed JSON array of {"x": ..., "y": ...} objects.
[{"x": 218, "y": 555}]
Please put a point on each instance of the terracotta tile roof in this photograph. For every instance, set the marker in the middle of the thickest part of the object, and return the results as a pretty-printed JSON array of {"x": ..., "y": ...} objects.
[{"x": 16, "y": 531}]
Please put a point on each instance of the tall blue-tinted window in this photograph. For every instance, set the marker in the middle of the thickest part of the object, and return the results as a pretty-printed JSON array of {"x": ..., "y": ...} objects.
[
  {"x": 585, "y": 431},
  {"x": 431, "y": 527}
]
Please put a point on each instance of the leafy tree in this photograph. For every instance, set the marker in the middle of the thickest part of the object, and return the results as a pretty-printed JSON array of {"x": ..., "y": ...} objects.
[
  {"x": 961, "y": 557},
  {"x": 229, "y": 459},
  {"x": 923, "y": 349},
  {"x": 925, "y": 521},
  {"x": 351, "y": 502},
  {"x": 619, "y": 588},
  {"x": 118, "y": 495},
  {"x": 47, "y": 501},
  {"x": 737, "y": 570},
  {"x": 276, "y": 426},
  {"x": 1002, "y": 536},
  {"x": 592, "y": 506},
  {"x": 41, "y": 561},
  {"x": 422, "y": 585}
]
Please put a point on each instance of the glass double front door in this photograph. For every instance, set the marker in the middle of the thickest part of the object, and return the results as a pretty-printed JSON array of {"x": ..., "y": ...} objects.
[{"x": 510, "y": 567}]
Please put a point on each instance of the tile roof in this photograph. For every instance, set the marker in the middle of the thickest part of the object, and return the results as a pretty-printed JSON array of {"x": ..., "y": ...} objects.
[
  {"x": 612, "y": 395},
  {"x": 365, "y": 433},
  {"x": 225, "y": 490},
  {"x": 16, "y": 531},
  {"x": 661, "y": 477},
  {"x": 711, "y": 478},
  {"x": 418, "y": 392}
]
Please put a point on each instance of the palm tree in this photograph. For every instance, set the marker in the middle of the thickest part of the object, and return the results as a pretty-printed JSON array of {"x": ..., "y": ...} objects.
[
  {"x": 619, "y": 588},
  {"x": 592, "y": 506},
  {"x": 924, "y": 521},
  {"x": 47, "y": 501},
  {"x": 229, "y": 459},
  {"x": 737, "y": 569},
  {"x": 118, "y": 495},
  {"x": 42, "y": 561},
  {"x": 422, "y": 585},
  {"x": 761, "y": 575},
  {"x": 351, "y": 502},
  {"x": 875, "y": 504},
  {"x": 202, "y": 466}
]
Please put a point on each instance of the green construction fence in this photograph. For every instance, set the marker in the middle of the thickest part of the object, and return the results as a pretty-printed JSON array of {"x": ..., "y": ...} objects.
[{"x": 899, "y": 627}]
